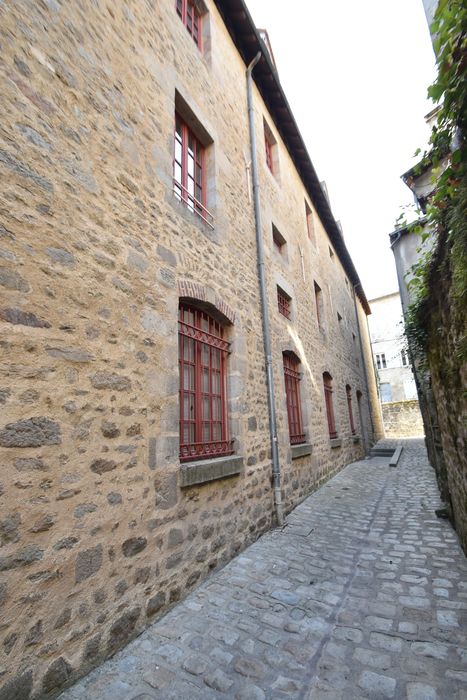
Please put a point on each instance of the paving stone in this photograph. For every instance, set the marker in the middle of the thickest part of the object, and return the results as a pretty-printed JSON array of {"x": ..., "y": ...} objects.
[
  {"x": 195, "y": 665},
  {"x": 382, "y": 624},
  {"x": 447, "y": 618},
  {"x": 385, "y": 641},
  {"x": 218, "y": 680},
  {"x": 457, "y": 675},
  {"x": 285, "y": 685},
  {"x": 408, "y": 627},
  {"x": 250, "y": 692},
  {"x": 357, "y": 598},
  {"x": 421, "y": 691},
  {"x": 376, "y": 684},
  {"x": 434, "y": 650},
  {"x": 368, "y": 657}
]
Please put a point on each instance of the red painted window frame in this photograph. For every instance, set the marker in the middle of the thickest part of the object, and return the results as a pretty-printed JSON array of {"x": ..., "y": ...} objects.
[
  {"x": 348, "y": 392},
  {"x": 189, "y": 182},
  {"x": 328, "y": 391},
  {"x": 292, "y": 378},
  {"x": 283, "y": 303},
  {"x": 191, "y": 18},
  {"x": 203, "y": 354}
]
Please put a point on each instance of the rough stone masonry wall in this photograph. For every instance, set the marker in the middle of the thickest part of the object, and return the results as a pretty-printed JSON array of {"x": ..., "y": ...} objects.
[
  {"x": 448, "y": 370},
  {"x": 96, "y": 535},
  {"x": 402, "y": 419}
]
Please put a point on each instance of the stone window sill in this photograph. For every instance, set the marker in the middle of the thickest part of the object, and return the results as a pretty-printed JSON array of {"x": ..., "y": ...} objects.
[
  {"x": 301, "y": 450},
  {"x": 205, "y": 470},
  {"x": 335, "y": 442}
]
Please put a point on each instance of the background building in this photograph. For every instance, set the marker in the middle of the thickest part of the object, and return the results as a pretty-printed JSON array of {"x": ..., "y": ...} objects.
[
  {"x": 398, "y": 392},
  {"x": 135, "y": 435}
]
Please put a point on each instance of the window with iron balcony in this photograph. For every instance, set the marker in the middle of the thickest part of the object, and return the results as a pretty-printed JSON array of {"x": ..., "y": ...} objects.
[
  {"x": 203, "y": 352},
  {"x": 283, "y": 303},
  {"x": 191, "y": 18},
  {"x": 189, "y": 174},
  {"x": 292, "y": 378}
]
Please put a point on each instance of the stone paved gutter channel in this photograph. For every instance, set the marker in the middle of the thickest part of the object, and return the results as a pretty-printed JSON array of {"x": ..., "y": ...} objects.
[{"x": 363, "y": 594}]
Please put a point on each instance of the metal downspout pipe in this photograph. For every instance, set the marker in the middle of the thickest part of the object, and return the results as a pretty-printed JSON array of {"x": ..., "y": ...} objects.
[{"x": 276, "y": 470}]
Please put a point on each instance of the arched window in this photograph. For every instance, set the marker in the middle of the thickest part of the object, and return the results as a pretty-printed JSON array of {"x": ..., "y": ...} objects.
[
  {"x": 292, "y": 392},
  {"x": 327, "y": 381},
  {"x": 202, "y": 360},
  {"x": 348, "y": 392}
]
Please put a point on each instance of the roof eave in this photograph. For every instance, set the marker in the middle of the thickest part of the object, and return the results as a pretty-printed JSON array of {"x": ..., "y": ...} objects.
[{"x": 248, "y": 42}]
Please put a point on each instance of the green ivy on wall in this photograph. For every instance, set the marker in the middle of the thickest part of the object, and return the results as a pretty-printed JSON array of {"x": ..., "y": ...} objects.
[{"x": 446, "y": 214}]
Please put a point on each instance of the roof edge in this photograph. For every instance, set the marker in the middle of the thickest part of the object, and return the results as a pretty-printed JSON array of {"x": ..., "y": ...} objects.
[{"x": 248, "y": 42}]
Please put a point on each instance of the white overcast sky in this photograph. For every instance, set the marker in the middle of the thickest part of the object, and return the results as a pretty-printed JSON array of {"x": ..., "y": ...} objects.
[{"x": 356, "y": 77}]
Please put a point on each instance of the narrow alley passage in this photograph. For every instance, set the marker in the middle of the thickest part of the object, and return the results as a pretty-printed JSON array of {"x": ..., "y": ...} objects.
[{"x": 363, "y": 594}]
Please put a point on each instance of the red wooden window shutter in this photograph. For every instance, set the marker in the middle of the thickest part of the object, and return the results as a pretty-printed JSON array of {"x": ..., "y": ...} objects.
[{"x": 292, "y": 392}]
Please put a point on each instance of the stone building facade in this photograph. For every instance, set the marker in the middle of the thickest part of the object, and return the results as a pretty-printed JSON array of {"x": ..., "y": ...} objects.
[{"x": 102, "y": 526}]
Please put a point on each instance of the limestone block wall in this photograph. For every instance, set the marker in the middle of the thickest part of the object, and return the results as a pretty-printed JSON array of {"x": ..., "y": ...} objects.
[
  {"x": 96, "y": 534},
  {"x": 402, "y": 419}
]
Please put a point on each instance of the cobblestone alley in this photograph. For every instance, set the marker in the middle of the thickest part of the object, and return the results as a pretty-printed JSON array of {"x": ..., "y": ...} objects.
[{"x": 363, "y": 594}]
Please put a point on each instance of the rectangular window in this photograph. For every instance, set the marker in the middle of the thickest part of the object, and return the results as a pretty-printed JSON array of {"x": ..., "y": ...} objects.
[
  {"x": 331, "y": 253},
  {"x": 270, "y": 146},
  {"x": 381, "y": 361},
  {"x": 292, "y": 392},
  {"x": 278, "y": 240},
  {"x": 189, "y": 170},
  {"x": 283, "y": 302},
  {"x": 354, "y": 345},
  {"x": 202, "y": 362},
  {"x": 404, "y": 358},
  {"x": 319, "y": 304},
  {"x": 348, "y": 392},
  {"x": 310, "y": 224},
  {"x": 191, "y": 18},
  {"x": 339, "y": 317},
  {"x": 327, "y": 381},
  {"x": 269, "y": 160}
]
